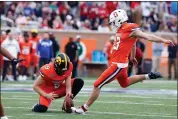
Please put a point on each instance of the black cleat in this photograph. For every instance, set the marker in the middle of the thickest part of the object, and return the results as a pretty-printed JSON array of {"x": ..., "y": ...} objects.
[{"x": 155, "y": 75}]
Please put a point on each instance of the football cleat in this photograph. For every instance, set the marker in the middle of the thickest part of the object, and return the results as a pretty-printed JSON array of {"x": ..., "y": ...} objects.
[
  {"x": 155, "y": 75},
  {"x": 77, "y": 110}
]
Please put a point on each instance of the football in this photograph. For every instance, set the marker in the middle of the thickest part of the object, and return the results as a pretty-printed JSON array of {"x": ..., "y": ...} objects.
[{"x": 68, "y": 103}]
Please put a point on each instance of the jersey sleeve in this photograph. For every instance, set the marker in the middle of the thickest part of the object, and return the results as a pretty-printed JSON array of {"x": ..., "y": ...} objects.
[
  {"x": 45, "y": 71},
  {"x": 134, "y": 26},
  {"x": 70, "y": 69}
]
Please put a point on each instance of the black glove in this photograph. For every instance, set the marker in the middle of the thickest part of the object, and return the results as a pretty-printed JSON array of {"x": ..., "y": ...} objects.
[{"x": 16, "y": 61}]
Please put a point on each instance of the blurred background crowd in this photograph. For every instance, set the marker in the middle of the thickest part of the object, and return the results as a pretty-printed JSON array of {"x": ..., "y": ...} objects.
[
  {"x": 76, "y": 15},
  {"x": 38, "y": 49}
]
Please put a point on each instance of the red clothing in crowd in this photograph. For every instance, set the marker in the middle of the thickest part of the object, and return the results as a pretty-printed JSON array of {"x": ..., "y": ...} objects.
[
  {"x": 133, "y": 5},
  {"x": 84, "y": 9},
  {"x": 111, "y": 6},
  {"x": 102, "y": 12},
  {"x": 93, "y": 12}
]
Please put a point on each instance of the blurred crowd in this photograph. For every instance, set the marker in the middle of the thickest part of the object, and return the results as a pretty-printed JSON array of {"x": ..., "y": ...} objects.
[
  {"x": 75, "y": 15},
  {"x": 36, "y": 50}
]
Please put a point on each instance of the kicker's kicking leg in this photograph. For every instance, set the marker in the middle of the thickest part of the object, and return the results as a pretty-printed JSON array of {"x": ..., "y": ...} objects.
[{"x": 137, "y": 78}]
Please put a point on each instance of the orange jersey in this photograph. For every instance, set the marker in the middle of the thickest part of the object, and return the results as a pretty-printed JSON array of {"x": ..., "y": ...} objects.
[
  {"x": 25, "y": 48},
  {"x": 35, "y": 42},
  {"x": 51, "y": 78},
  {"x": 123, "y": 43},
  {"x": 25, "y": 52}
]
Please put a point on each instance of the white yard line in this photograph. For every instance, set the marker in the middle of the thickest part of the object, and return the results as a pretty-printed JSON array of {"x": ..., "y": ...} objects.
[
  {"x": 118, "y": 96},
  {"x": 108, "y": 113},
  {"x": 127, "y": 96},
  {"x": 103, "y": 102},
  {"x": 142, "y": 115},
  {"x": 15, "y": 96},
  {"x": 44, "y": 115},
  {"x": 102, "y": 95}
]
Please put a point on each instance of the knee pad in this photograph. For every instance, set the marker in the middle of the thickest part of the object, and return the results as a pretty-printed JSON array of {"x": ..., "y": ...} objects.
[
  {"x": 40, "y": 108},
  {"x": 77, "y": 86},
  {"x": 79, "y": 82}
]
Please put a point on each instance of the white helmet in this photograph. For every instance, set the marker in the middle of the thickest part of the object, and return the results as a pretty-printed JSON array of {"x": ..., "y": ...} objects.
[{"x": 117, "y": 18}]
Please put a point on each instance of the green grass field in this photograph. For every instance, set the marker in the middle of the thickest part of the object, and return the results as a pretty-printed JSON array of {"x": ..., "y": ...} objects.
[{"x": 152, "y": 99}]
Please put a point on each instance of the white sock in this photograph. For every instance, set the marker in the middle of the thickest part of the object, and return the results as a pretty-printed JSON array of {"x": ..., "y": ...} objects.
[
  {"x": 4, "y": 117},
  {"x": 86, "y": 106},
  {"x": 147, "y": 77}
]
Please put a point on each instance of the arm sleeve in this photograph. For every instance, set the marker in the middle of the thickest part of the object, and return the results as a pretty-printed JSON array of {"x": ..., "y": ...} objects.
[
  {"x": 44, "y": 70},
  {"x": 134, "y": 26}
]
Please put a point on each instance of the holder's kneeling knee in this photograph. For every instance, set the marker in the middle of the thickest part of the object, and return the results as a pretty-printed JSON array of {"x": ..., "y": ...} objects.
[{"x": 40, "y": 108}]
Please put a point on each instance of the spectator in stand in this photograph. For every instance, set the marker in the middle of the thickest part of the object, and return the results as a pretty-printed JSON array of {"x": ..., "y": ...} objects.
[
  {"x": 146, "y": 10},
  {"x": 27, "y": 11},
  {"x": 56, "y": 47},
  {"x": 21, "y": 20},
  {"x": 104, "y": 27},
  {"x": 53, "y": 6},
  {"x": 10, "y": 15},
  {"x": 25, "y": 53},
  {"x": 93, "y": 13},
  {"x": 19, "y": 8},
  {"x": 84, "y": 9},
  {"x": 111, "y": 6},
  {"x": 76, "y": 24},
  {"x": 157, "y": 51},
  {"x": 73, "y": 7},
  {"x": 46, "y": 11},
  {"x": 72, "y": 46},
  {"x": 44, "y": 24},
  {"x": 38, "y": 10},
  {"x": 172, "y": 25},
  {"x": 12, "y": 46},
  {"x": 96, "y": 25},
  {"x": 102, "y": 12},
  {"x": 63, "y": 10},
  {"x": 86, "y": 26},
  {"x": 12, "y": 8},
  {"x": 155, "y": 21},
  {"x": 68, "y": 23},
  {"x": 57, "y": 23},
  {"x": 45, "y": 50},
  {"x": 172, "y": 51}
]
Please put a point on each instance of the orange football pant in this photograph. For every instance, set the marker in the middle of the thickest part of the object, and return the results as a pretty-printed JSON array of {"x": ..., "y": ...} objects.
[
  {"x": 111, "y": 73},
  {"x": 61, "y": 92}
]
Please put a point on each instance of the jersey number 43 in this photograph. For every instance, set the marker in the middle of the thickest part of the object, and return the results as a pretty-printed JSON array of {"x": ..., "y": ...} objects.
[{"x": 116, "y": 43}]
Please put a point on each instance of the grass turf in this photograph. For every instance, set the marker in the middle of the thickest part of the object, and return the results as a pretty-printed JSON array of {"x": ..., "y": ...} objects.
[{"x": 18, "y": 104}]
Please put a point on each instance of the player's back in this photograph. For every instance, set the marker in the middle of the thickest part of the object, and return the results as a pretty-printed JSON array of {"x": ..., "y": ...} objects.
[
  {"x": 51, "y": 78},
  {"x": 123, "y": 43}
]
